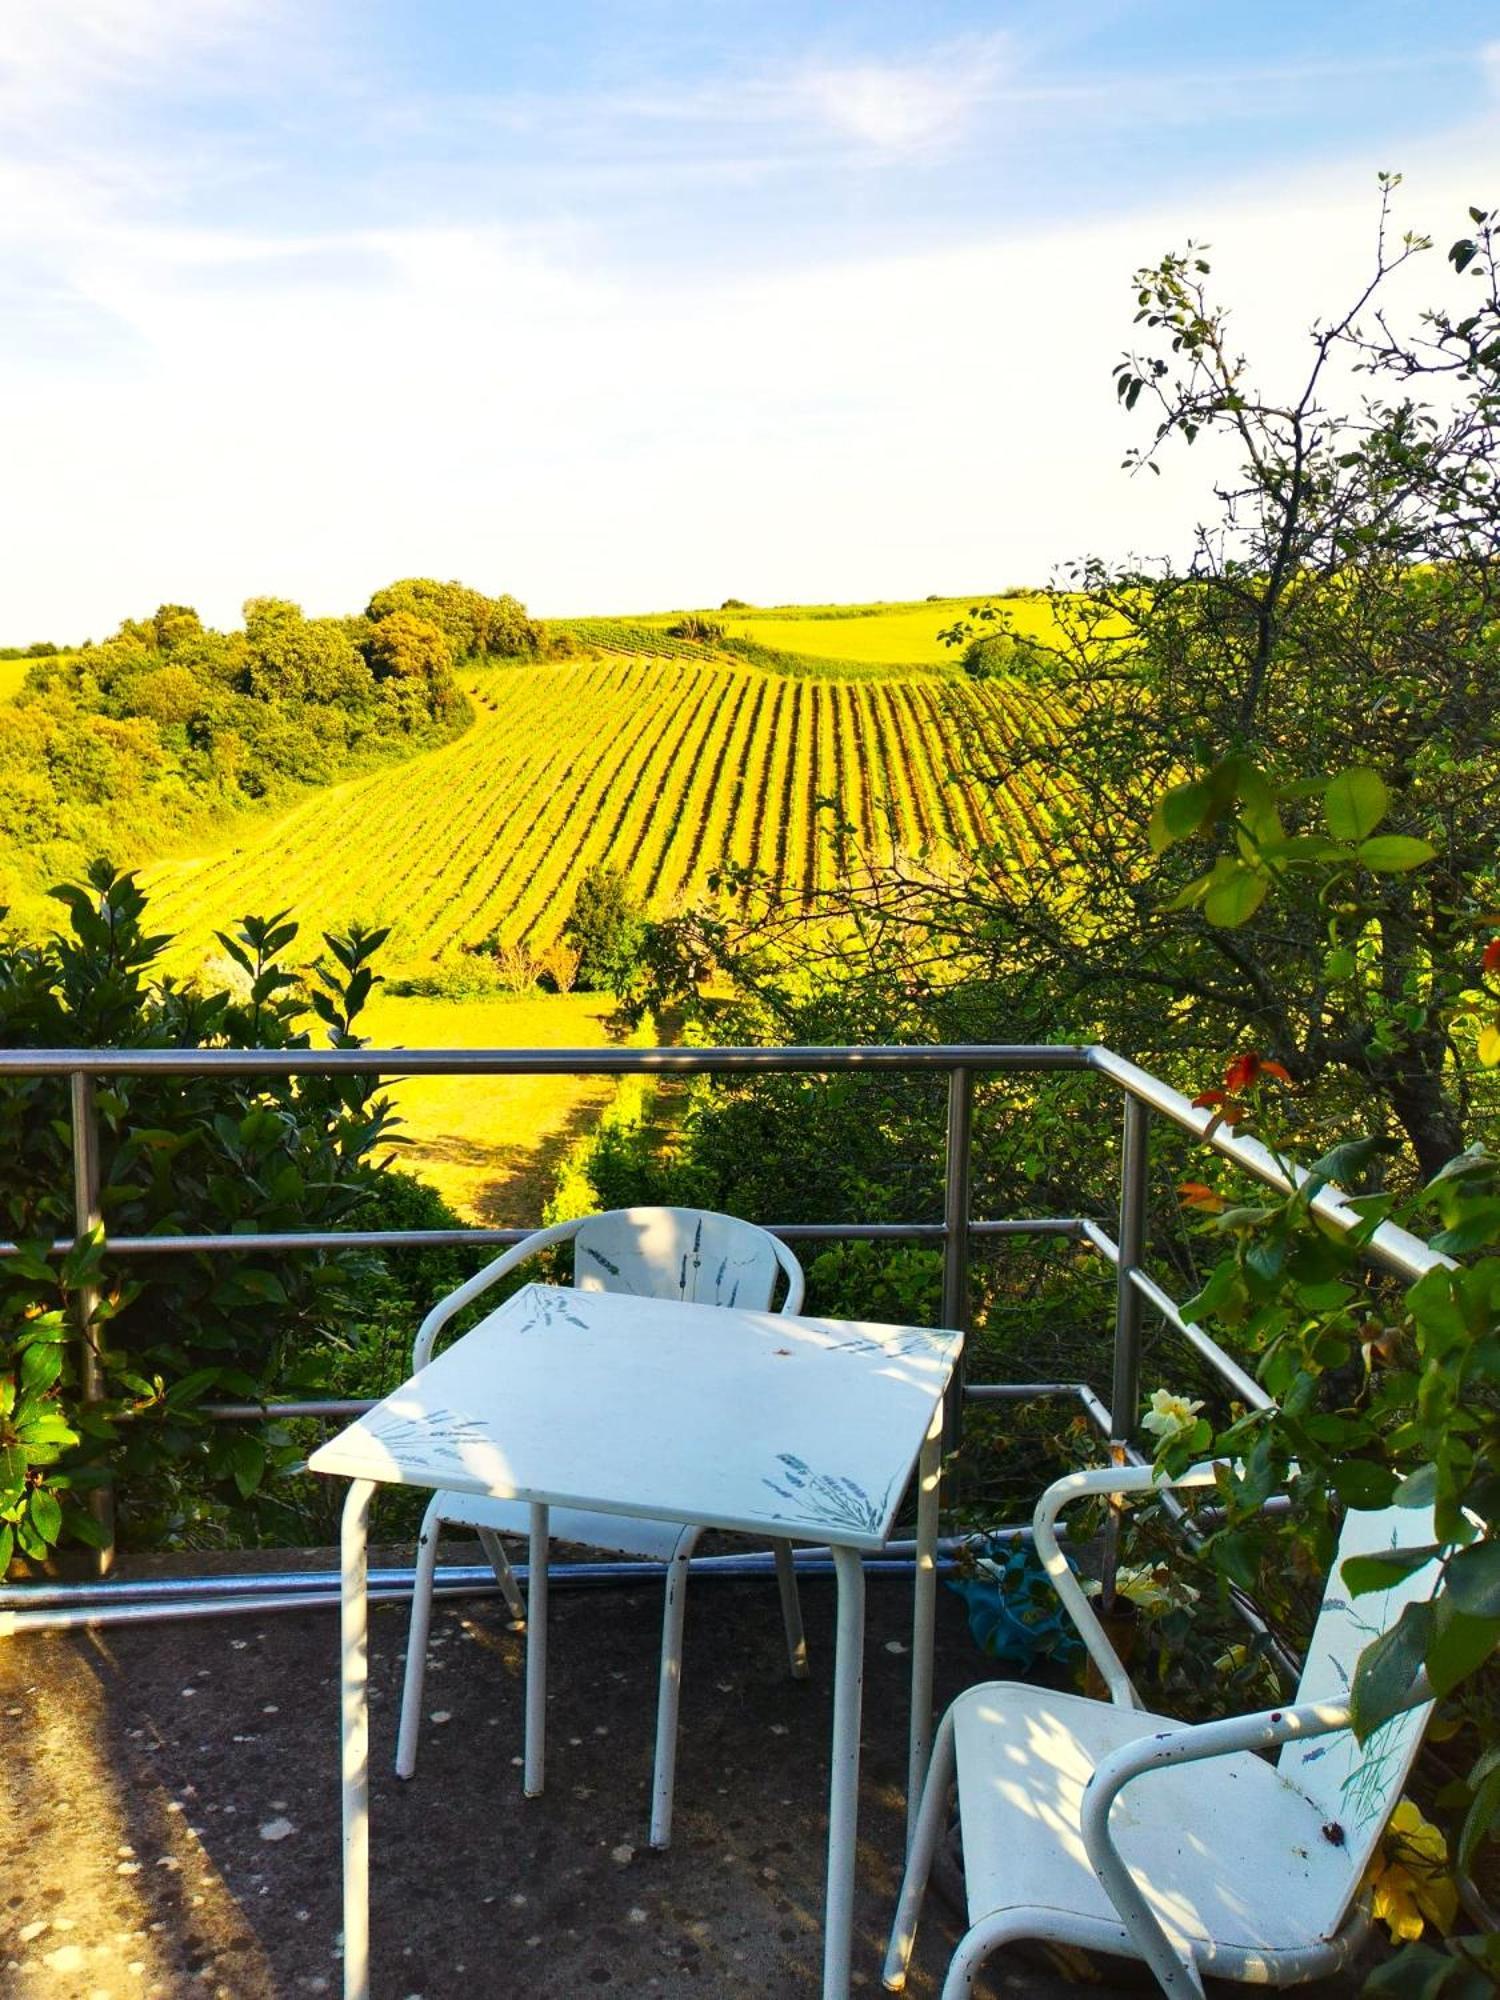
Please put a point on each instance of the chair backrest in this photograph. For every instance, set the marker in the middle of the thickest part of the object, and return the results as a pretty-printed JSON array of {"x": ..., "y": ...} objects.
[
  {"x": 683, "y": 1253},
  {"x": 1357, "y": 1785}
]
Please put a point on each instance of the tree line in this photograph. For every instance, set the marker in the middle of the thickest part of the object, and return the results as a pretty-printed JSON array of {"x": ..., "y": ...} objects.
[{"x": 125, "y": 746}]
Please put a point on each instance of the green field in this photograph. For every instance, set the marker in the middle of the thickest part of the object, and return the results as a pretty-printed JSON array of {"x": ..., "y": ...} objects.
[
  {"x": 824, "y": 641},
  {"x": 491, "y": 1145},
  {"x": 663, "y": 767},
  {"x": 659, "y": 756},
  {"x": 884, "y": 634}
]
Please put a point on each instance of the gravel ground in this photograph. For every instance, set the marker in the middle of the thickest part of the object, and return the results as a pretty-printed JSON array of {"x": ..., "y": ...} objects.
[{"x": 171, "y": 1796}]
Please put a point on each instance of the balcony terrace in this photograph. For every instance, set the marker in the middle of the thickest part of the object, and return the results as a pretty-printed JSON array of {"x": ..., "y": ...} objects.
[{"x": 173, "y": 1797}]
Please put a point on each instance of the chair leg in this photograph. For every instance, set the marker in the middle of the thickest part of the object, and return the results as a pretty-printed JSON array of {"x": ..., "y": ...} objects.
[
  {"x": 791, "y": 1610},
  {"x": 416, "y": 1643},
  {"x": 534, "y": 1761},
  {"x": 925, "y": 1837},
  {"x": 669, "y": 1688},
  {"x": 505, "y": 1576}
]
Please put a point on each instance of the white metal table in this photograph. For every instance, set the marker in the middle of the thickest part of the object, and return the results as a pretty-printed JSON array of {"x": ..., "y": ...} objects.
[{"x": 755, "y": 1422}]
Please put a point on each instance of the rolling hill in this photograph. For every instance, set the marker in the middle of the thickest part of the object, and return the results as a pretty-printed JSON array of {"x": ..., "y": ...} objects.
[{"x": 663, "y": 765}]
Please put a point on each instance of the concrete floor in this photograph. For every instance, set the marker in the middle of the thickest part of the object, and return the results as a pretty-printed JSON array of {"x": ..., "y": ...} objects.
[{"x": 171, "y": 1804}]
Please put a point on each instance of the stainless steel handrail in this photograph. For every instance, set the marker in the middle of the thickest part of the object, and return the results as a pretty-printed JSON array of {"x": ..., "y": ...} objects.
[{"x": 960, "y": 1064}]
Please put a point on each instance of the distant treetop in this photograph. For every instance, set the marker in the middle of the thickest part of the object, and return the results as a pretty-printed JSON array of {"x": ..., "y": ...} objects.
[{"x": 475, "y": 625}]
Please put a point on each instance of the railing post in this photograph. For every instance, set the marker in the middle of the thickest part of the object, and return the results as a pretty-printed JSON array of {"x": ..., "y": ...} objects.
[
  {"x": 87, "y": 1216},
  {"x": 1125, "y": 1396},
  {"x": 1125, "y": 1392},
  {"x": 956, "y": 1203}
]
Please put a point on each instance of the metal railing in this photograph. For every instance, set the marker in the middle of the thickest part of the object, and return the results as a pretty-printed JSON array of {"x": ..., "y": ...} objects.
[{"x": 1144, "y": 1097}]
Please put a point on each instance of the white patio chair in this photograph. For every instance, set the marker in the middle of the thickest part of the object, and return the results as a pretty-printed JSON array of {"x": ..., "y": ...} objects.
[
  {"x": 664, "y": 1253},
  {"x": 1214, "y": 1860}
]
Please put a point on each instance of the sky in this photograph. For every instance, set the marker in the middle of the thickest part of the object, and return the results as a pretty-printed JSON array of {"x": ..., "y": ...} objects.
[{"x": 634, "y": 304}]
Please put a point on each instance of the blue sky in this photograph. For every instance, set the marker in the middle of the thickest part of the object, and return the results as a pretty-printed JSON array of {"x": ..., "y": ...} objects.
[{"x": 617, "y": 305}]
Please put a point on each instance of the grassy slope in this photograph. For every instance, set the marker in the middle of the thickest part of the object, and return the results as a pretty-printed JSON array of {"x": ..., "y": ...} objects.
[
  {"x": 660, "y": 767},
  {"x": 491, "y": 1145},
  {"x": 843, "y": 641},
  {"x": 12, "y": 673},
  {"x": 894, "y": 634}
]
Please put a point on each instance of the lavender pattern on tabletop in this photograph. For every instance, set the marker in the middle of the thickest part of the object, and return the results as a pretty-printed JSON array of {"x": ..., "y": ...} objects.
[
  {"x": 441, "y": 1434},
  {"x": 546, "y": 1305},
  {"x": 824, "y": 1496}
]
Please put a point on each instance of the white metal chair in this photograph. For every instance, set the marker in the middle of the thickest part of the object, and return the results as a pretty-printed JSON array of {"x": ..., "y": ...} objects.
[
  {"x": 1214, "y": 1860},
  {"x": 665, "y": 1253}
]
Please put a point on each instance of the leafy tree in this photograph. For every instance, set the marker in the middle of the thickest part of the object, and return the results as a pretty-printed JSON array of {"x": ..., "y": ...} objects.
[
  {"x": 125, "y": 746},
  {"x": 477, "y": 626},
  {"x": 299, "y": 659},
  {"x": 1005, "y": 656},
  {"x": 176, "y": 625},
  {"x": 1340, "y": 608},
  {"x": 607, "y": 928},
  {"x": 170, "y": 694},
  {"x": 409, "y": 648}
]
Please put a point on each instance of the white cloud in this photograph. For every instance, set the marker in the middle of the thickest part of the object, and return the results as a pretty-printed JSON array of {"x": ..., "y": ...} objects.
[
  {"x": 898, "y": 106},
  {"x": 314, "y": 418},
  {"x": 201, "y": 414},
  {"x": 58, "y": 52}
]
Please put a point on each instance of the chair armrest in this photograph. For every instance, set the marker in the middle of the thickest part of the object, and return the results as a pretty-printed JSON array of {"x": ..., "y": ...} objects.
[
  {"x": 444, "y": 1310},
  {"x": 1190, "y": 1744},
  {"x": 796, "y": 1282},
  {"x": 1078, "y": 1486}
]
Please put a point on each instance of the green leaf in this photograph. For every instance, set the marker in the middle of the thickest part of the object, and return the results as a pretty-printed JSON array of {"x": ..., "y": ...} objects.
[
  {"x": 1418, "y": 1489},
  {"x": 1236, "y": 1554},
  {"x": 247, "y": 1461},
  {"x": 1359, "y": 1482},
  {"x": 1385, "y": 1571},
  {"x": 191, "y": 1387},
  {"x": 1423, "y": 1972},
  {"x": 46, "y": 1513},
  {"x": 1303, "y": 847},
  {"x": 1234, "y": 896},
  {"x": 41, "y": 1365},
  {"x": 1473, "y": 1580},
  {"x": 1354, "y": 803},
  {"x": 1191, "y": 896},
  {"x": 1477, "y": 1223},
  {"x": 1479, "y": 1819},
  {"x": 1395, "y": 853},
  {"x": 1460, "y": 1645},
  {"x": 1350, "y": 1162},
  {"x": 7, "y": 1548},
  {"x": 1388, "y": 1668},
  {"x": 83, "y": 1527}
]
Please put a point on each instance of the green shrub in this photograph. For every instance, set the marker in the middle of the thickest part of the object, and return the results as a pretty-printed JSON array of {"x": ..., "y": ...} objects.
[
  {"x": 179, "y": 1155},
  {"x": 608, "y": 929},
  {"x": 702, "y": 631}
]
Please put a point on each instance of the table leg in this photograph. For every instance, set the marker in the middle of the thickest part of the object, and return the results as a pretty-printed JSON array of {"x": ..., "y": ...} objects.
[
  {"x": 843, "y": 1792},
  {"x": 924, "y": 1616},
  {"x": 535, "y": 1773},
  {"x": 354, "y": 1609}
]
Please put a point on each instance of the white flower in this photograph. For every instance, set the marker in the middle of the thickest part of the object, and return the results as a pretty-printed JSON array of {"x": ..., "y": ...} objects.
[{"x": 1169, "y": 1415}]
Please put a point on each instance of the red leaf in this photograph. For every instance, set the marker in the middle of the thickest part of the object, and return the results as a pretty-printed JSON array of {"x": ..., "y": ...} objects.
[
  {"x": 1197, "y": 1194},
  {"x": 1491, "y": 957},
  {"x": 1207, "y": 1099},
  {"x": 1243, "y": 1071},
  {"x": 1275, "y": 1069}
]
